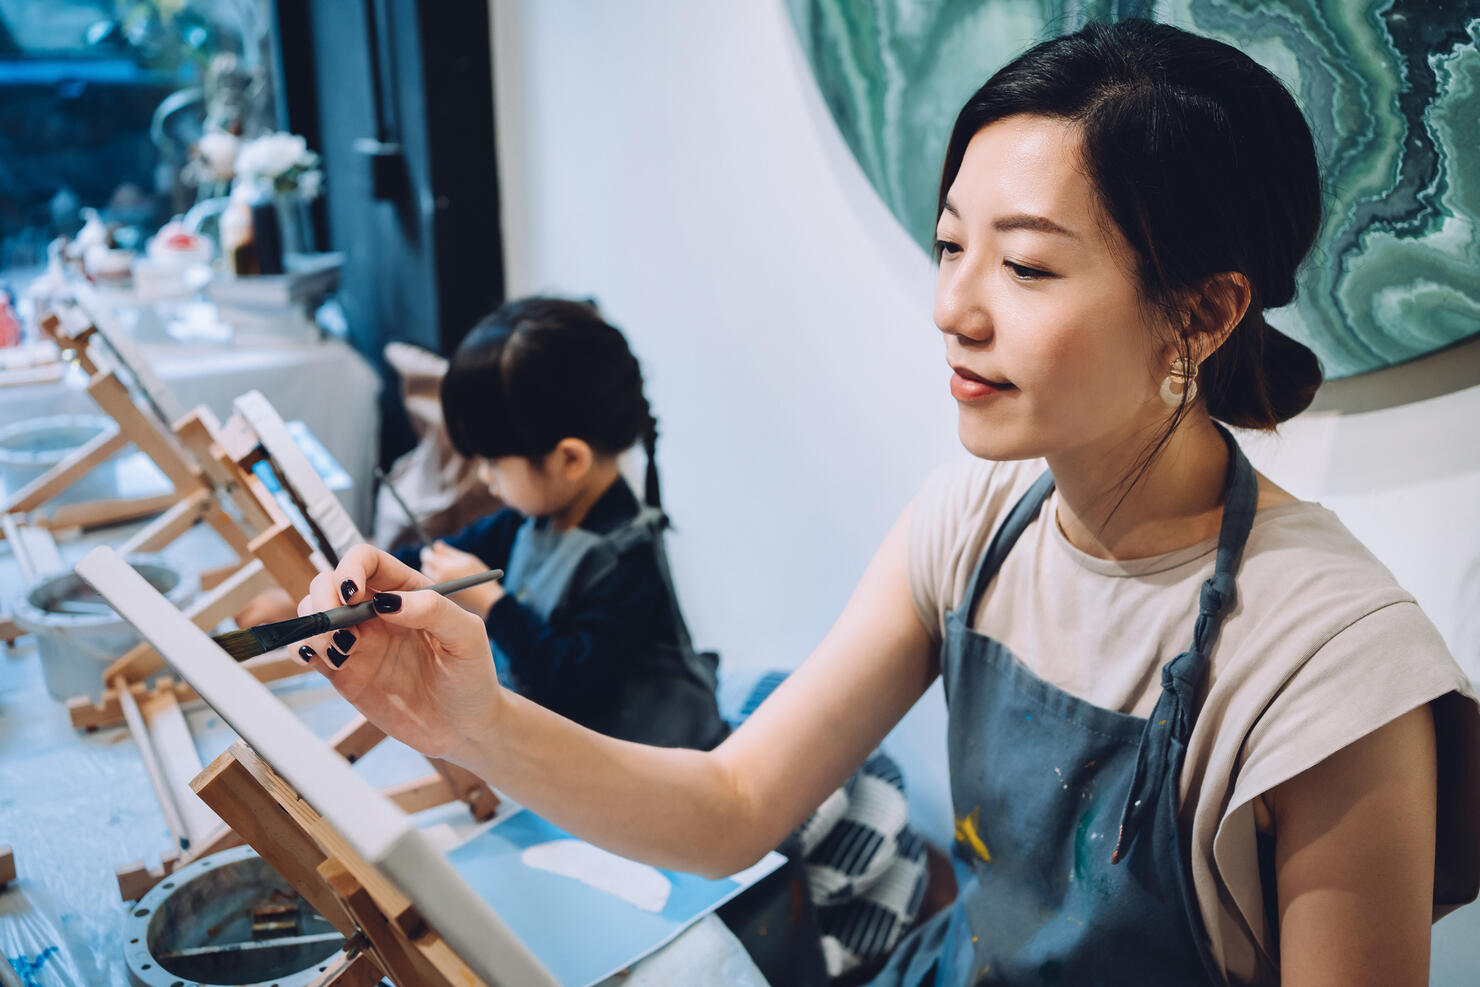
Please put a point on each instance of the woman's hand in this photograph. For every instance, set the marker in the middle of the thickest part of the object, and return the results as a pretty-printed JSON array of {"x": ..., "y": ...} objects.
[
  {"x": 441, "y": 562},
  {"x": 420, "y": 670}
]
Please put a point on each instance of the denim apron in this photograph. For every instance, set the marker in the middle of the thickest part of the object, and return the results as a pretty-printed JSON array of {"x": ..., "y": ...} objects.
[
  {"x": 1068, "y": 857},
  {"x": 666, "y": 697}
]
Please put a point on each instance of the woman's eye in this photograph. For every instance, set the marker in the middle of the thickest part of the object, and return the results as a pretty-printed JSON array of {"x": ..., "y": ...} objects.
[
  {"x": 1025, "y": 273},
  {"x": 946, "y": 248}
]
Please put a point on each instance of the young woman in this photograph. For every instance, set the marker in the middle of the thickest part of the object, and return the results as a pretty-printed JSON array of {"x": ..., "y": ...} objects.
[
  {"x": 1197, "y": 733},
  {"x": 546, "y": 395}
]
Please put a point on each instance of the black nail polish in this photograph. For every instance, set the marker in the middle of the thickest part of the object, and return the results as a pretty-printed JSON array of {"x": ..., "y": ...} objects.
[
  {"x": 335, "y": 658},
  {"x": 306, "y": 653},
  {"x": 344, "y": 640},
  {"x": 347, "y": 589},
  {"x": 386, "y": 602}
]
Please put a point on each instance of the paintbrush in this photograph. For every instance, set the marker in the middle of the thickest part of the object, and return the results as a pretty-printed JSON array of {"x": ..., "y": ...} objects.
[
  {"x": 249, "y": 642},
  {"x": 416, "y": 525}
]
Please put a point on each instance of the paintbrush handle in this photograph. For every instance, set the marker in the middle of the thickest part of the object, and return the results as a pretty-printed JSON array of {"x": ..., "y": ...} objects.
[
  {"x": 358, "y": 613},
  {"x": 416, "y": 525}
]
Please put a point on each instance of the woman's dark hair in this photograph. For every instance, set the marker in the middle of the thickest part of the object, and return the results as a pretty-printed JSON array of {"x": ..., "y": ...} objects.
[
  {"x": 539, "y": 370},
  {"x": 1203, "y": 160}
]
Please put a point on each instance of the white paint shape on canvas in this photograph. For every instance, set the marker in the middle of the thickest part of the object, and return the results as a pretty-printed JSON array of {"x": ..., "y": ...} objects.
[{"x": 640, "y": 885}]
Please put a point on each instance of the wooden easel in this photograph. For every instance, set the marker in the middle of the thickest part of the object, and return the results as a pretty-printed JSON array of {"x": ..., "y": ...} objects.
[
  {"x": 355, "y": 897},
  {"x": 123, "y": 386},
  {"x": 372, "y": 902},
  {"x": 447, "y": 783},
  {"x": 256, "y": 433},
  {"x": 281, "y": 554}
]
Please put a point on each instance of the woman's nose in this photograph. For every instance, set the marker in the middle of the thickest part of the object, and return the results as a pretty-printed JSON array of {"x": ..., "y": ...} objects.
[{"x": 961, "y": 304}]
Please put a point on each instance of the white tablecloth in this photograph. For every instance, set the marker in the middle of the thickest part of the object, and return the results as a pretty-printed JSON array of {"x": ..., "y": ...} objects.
[{"x": 324, "y": 383}]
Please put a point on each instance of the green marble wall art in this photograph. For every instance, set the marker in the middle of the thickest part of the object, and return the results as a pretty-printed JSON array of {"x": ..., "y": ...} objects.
[{"x": 1391, "y": 88}]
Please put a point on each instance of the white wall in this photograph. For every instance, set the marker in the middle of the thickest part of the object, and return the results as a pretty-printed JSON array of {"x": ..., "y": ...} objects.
[{"x": 676, "y": 161}]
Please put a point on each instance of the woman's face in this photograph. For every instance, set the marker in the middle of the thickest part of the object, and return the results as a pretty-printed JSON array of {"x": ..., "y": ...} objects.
[{"x": 1053, "y": 348}]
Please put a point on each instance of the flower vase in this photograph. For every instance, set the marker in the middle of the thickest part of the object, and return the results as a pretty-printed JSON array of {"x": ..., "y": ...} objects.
[{"x": 292, "y": 226}]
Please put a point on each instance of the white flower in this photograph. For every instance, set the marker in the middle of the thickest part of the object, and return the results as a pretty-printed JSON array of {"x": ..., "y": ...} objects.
[
  {"x": 218, "y": 150},
  {"x": 309, "y": 183},
  {"x": 271, "y": 155}
]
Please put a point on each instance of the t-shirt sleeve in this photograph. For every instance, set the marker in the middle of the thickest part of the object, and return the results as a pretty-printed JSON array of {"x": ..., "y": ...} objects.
[
  {"x": 955, "y": 513},
  {"x": 933, "y": 534},
  {"x": 1380, "y": 666}
]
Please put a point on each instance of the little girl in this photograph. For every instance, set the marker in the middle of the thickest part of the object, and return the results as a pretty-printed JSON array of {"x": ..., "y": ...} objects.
[{"x": 547, "y": 395}]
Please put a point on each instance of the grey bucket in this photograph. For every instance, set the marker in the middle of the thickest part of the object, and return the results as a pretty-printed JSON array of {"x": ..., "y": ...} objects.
[
  {"x": 77, "y": 634},
  {"x": 31, "y": 447}
]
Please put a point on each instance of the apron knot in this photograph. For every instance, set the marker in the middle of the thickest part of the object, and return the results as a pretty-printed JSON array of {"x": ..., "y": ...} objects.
[{"x": 1217, "y": 593}]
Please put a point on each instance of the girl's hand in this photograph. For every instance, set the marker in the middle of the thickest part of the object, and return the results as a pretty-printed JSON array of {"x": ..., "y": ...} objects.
[
  {"x": 441, "y": 562},
  {"x": 420, "y": 670}
]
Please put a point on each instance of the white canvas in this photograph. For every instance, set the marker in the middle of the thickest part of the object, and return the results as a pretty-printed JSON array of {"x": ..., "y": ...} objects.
[{"x": 298, "y": 474}]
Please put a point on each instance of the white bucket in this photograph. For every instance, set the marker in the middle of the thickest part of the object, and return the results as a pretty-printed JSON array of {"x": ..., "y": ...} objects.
[
  {"x": 78, "y": 634},
  {"x": 30, "y": 448}
]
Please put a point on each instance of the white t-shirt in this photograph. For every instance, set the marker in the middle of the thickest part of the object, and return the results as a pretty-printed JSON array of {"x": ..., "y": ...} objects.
[{"x": 1321, "y": 647}]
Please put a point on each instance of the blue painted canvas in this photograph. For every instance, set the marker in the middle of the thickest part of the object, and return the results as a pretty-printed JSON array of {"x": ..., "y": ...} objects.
[
  {"x": 548, "y": 887},
  {"x": 1391, "y": 89}
]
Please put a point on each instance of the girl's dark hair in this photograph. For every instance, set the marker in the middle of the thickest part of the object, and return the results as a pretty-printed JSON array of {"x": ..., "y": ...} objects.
[
  {"x": 539, "y": 370},
  {"x": 1203, "y": 160}
]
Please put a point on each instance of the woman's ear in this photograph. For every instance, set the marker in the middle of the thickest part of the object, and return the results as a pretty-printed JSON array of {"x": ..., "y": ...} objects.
[
  {"x": 572, "y": 459},
  {"x": 1215, "y": 310}
]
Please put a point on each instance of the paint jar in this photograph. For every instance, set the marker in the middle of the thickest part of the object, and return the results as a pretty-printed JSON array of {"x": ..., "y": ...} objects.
[
  {"x": 29, "y": 448},
  {"x": 77, "y": 633}
]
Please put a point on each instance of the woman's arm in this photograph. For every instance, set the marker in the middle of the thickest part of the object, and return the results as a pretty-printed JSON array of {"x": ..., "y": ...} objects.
[
  {"x": 1354, "y": 860},
  {"x": 424, "y": 675}
]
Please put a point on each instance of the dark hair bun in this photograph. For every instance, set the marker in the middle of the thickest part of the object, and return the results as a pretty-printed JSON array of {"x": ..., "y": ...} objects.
[{"x": 1260, "y": 378}]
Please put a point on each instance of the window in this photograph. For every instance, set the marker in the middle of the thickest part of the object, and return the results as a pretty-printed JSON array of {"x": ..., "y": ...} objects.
[{"x": 101, "y": 102}]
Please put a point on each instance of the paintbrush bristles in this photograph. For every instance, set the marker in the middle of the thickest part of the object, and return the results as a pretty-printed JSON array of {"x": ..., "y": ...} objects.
[{"x": 240, "y": 645}]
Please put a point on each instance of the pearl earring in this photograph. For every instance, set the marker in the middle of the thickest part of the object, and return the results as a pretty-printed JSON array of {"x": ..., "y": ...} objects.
[{"x": 1180, "y": 383}]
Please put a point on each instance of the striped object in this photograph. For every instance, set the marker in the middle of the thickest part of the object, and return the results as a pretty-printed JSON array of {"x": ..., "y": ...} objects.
[{"x": 865, "y": 866}]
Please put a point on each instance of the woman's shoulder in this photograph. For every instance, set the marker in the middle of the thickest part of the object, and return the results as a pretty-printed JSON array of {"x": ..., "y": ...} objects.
[
  {"x": 957, "y": 508},
  {"x": 1312, "y": 568}
]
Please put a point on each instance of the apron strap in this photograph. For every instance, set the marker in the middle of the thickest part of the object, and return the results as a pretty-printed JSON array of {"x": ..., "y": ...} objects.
[
  {"x": 1176, "y": 709},
  {"x": 647, "y": 527},
  {"x": 1006, "y": 536}
]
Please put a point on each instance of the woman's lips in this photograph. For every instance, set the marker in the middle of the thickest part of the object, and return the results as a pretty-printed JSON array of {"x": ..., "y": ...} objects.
[{"x": 968, "y": 386}]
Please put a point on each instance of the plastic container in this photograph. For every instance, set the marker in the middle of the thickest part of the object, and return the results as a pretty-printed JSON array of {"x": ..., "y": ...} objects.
[
  {"x": 30, "y": 448},
  {"x": 77, "y": 634}
]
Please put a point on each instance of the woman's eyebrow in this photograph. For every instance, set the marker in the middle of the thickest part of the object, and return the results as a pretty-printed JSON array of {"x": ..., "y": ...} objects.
[
  {"x": 1027, "y": 221},
  {"x": 1019, "y": 221}
]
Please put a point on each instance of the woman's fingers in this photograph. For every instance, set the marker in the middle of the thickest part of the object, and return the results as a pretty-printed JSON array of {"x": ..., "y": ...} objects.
[
  {"x": 365, "y": 569},
  {"x": 454, "y": 628},
  {"x": 322, "y": 595}
]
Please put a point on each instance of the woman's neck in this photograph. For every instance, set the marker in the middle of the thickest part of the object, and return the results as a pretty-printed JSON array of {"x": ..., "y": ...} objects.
[
  {"x": 1177, "y": 501},
  {"x": 597, "y": 481}
]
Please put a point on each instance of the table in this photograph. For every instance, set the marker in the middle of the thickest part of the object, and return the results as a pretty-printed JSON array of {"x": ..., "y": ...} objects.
[
  {"x": 76, "y": 806},
  {"x": 322, "y": 382}
]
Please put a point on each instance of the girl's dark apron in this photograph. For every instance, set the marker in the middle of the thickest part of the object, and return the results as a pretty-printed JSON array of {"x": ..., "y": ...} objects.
[
  {"x": 1068, "y": 858},
  {"x": 666, "y": 696}
]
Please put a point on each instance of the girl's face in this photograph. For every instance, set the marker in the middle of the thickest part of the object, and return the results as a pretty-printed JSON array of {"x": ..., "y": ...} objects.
[
  {"x": 1053, "y": 348},
  {"x": 524, "y": 484}
]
